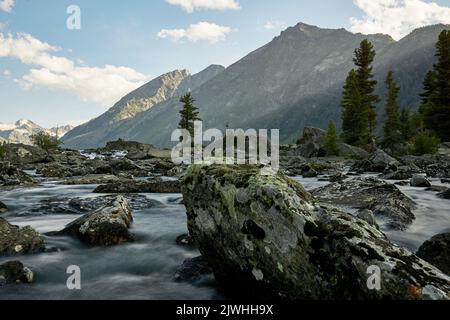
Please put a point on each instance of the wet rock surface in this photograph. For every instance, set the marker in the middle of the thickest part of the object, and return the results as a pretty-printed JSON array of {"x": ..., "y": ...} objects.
[
  {"x": 82, "y": 205},
  {"x": 3, "y": 208},
  {"x": 379, "y": 161},
  {"x": 420, "y": 181},
  {"x": 15, "y": 240},
  {"x": 437, "y": 252},
  {"x": 275, "y": 242},
  {"x": 106, "y": 226},
  {"x": 134, "y": 186},
  {"x": 12, "y": 176},
  {"x": 192, "y": 270},
  {"x": 15, "y": 272},
  {"x": 385, "y": 200}
]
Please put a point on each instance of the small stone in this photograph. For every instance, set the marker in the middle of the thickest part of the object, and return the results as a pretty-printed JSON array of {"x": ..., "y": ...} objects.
[{"x": 419, "y": 181}]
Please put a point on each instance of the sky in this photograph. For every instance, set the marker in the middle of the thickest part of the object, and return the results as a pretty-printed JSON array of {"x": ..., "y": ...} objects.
[{"x": 66, "y": 62}]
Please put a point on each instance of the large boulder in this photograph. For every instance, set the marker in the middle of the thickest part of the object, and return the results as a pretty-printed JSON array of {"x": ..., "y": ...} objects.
[
  {"x": 312, "y": 143},
  {"x": 385, "y": 200},
  {"x": 15, "y": 240},
  {"x": 437, "y": 252},
  {"x": 15, "y": 272},
  {"x": 264, "y": 237},
  {"x": 12, "y": 176},
  {"x": 21, "y": 154},
  {"x": 134, "y": 186},
  {"x": 379, "y": 161},
  {"x": 348, "y": 151},
  {"x": 106, "y": 226}
]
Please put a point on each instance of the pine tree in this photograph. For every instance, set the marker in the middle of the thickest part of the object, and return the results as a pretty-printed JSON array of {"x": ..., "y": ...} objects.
[
  {"x": 354, "y": 117},
  {"x": 364, "y": 57},
  {"x": 331, "y": 142},
  {"x": 392, "y": 133},
  {"x": 429, "y": 86},
  {"x": 437, "y": 91},
  {"x": 189, "y": 113}
]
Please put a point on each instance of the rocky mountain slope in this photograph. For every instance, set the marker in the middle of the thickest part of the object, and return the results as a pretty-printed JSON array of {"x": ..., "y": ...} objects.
[
  {"x": 119, "y": 121},
  {"x": 294, "y": 81},
  {"x": 22, "y": 130}
]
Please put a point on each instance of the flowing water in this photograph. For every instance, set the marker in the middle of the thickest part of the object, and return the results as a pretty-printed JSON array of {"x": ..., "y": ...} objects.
[{"x": 145, "y": 268}]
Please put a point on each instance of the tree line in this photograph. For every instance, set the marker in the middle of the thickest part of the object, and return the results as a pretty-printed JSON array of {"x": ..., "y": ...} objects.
[{"x": 422, "y": 131}]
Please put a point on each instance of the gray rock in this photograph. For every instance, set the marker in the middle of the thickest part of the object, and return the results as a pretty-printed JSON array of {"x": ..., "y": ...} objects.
[
  {"x": 12, "y": 176},
  {"x": 106, "y": 226},
  {"x": 312, "y": 143},
  {"x": 15, "y": 272},
  {"x": 379, "y": 161},
  {"x": 3, "y": 207},
  {"x": 385, "y": 200},
  {"x": 280, "y": 245},
  {"x": 348, "y": 151},
  {"x": 419, "y": 181},
  {"x": 445, "y": 194},
  {"x": 133, "y": 186},
  {"x": 436, "y": 189},
  {"x": 192, "y": 270},
  {"x": 15, "y": 240},
  {"x": 437, "y": 252},
  {"x": 83, "y": 205}
]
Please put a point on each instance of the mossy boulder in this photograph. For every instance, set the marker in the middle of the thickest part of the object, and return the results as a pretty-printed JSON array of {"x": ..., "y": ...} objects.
[
  {"x": 106, "y": 226},
  {"x": 264, "y": 237},
  {"x": 15, "y": 240}
]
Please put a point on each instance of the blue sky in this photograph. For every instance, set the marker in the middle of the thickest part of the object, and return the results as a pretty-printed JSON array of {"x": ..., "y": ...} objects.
[{"x": 53, "y": 75}]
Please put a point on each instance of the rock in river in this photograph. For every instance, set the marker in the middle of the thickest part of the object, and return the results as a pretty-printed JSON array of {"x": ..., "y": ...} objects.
[
  {"x": 106, "y": 226},
  {"x": 385, "y": 200},
  {"x": 15, "y": 240},
  {"x": 274, "y": 242},
  {"x": 437, "y": 252},
  {"x": 15, "y": 272},
  {"x": 134, "y": 186},
  {"x": 192, "y": 270},
  {"x": 419, "y": 181},
  {"x": 3, "y": 207}
]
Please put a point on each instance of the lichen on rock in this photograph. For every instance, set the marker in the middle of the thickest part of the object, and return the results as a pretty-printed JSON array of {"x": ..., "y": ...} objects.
[{"x": 273, "y": 241}]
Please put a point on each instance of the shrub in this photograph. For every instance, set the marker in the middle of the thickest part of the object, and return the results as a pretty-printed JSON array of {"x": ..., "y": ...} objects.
[{"x": 426, "y": 142}]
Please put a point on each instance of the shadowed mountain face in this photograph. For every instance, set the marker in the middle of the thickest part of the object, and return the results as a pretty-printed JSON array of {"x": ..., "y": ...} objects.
[{"x": 294, "y": 81}]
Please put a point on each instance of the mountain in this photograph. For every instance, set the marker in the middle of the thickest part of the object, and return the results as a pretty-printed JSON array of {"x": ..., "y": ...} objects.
[
  {"x": 294, "y": 81},
  {"x": 22, "y": 130},
  {"x": 118, "y": 120}
]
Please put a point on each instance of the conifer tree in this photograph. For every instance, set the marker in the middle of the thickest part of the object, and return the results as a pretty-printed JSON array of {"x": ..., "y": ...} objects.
[
  {"x": 392, "y": 132},
  {"x": 364, "y": 57},
  {"x": 354, "y": 116},
  {"x": 437, "y": 91},
  {"x": 189, "y": 113},
  {"x": 331, "y": 142}
]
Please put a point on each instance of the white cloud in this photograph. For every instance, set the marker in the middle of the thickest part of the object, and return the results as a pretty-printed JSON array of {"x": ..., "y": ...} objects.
[
  {"x": 192, "y": 5},
  {"x": 6, "y": 73},
  {"x": 397, "y": 17},
  {"x": 6, "y": 5},
  {"x": 103, "y": 85},
  {"x": 197, "y": 32},
  {"x": 275, "y": 24}
]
